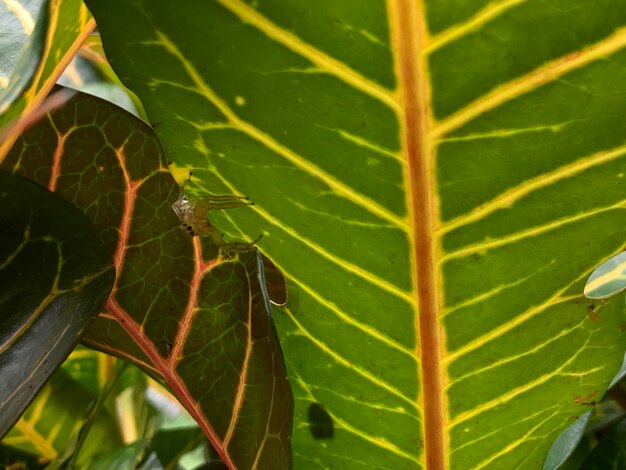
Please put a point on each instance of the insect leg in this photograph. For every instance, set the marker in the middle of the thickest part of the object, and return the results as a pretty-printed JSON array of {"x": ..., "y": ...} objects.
[{"x": 226, "y": 202}]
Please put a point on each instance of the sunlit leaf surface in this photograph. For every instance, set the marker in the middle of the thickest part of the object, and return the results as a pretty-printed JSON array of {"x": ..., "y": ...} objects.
[
  {"x": 198, "y": 324},
  {"x": 61, "y": 28},
  {"x": 435, "y": 179},
  {"x": 607, "y": 279},
  {"x": 17, "y": 22}
]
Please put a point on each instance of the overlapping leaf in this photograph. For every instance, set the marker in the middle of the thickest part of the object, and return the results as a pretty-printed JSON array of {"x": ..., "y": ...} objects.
[
  {"x": 61, "y": 28},
  {"x": 55, "y": 276},
  {"x": 54, "y": 418},
  {"x": 198, "y": 324},
  {"x": 17, "y": 20},
  {"x": 436, "y": 179}
]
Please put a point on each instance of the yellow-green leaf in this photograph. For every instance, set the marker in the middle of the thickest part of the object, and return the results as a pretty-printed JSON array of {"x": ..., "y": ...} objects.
[
  {"x": 435, "y": 179},
  {"x": 61, "y": 28}
]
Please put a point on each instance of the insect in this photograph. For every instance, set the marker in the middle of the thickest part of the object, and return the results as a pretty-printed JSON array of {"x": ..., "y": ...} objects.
[{"x": 193, "y": 216}]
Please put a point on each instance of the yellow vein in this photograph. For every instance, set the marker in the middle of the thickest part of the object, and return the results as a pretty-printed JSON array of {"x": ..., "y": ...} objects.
[
  {"x": 527, "y": 437},
  {"x": 491, "y": 11},
  {"x": 240, "y": 395},
  {"x": 349, "y": 365},
  {"x": 278, "y": 148},
  {"x": 495, "y": 291},
  {"x": 55, "y": 292},
  {"x": 507, "y": 397},
  {"x": 374, "y": 333},
  {"x": 375, "y": 406},
  {"x": 10, "y": 257},
  {"x": 251, "y": 16},
  {"x": 503, "y": 361},
  {"x": 342, "y": 263},
  {"x": 503, "y": 133},
  {"x": 40, "y": 405},
  {"x": 503, "y": 428},
  {"x": 616, "y": 273},
  {"x": 509, "y": 197},
  {"x": 59, "y": 425},
  {"x": 540, "y": 76},
  {"x": 530, "y": 232},
  {"x": 511, "y": 324},
  {"x": 22, "y": 15},
  {"x": 377, "y": 441},
  {"x": 36, "y": 439}
]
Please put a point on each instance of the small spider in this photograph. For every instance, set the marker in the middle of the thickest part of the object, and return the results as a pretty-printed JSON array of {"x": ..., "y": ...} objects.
[{"x": 194, "y": 219}]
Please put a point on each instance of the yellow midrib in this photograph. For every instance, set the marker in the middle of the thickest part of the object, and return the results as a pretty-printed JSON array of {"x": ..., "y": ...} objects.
[{"x": 408, "y": 28}]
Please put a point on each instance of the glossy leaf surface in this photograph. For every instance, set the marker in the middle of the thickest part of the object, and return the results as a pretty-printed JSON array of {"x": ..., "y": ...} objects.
[
  {"x": 198, "y": 324},
  {"x": 61, "y": 28},
  {"x": 55, "y": 276},
  {"x": 17, "y": 22},
  {"x": 607, "y": 279},
  {"x": 435, "y": 179}
]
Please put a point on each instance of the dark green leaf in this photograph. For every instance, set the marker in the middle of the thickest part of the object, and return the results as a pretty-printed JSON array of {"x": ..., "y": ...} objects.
[
  {"x": 171, "y": 444},
  {"x": 55, "y": 276},
  {"x": 197, "y": 323},
  {"x": 610, "y": 453}
]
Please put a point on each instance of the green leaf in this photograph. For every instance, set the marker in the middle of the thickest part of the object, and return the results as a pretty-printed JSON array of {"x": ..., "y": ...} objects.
[
  {"x": 17, "y": 22},
  {"x": 128, "y": 457},
  {"x": 565, "y": 445},
  {"x": 198, "y": 324},
  {"x": 436, "y": 180},
  {"x": 610, "y": 451},
  {"x": 55, "y": 277},
  {"x": 608, "y": 279},
  {"x": 171, "y": 444},
  {"x": 54, "y": 418},
  {"x": 61, "y": 28}
]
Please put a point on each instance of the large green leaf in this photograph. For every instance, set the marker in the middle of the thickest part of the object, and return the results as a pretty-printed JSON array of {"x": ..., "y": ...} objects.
[
  {"x": 436, "y": 180},
  {"x": 197, "y": 322},
  {"x": 55, "y": 276}
]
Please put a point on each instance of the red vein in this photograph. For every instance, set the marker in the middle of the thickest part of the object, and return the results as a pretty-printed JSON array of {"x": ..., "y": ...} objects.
[
  {"x": 178, "y": 387},
  {"x": 409, "y": 34},
  {"x": 243, "y": 376},
  {"x": 129, "y": 205},
  {"x": 135, "y": 330},
  {"x": 104, "y": 347},
  {"x": 56, "y": 162},
  {"x": 199, "y": 270}
]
